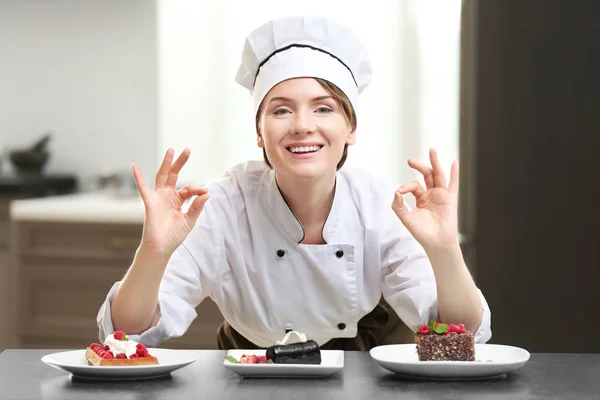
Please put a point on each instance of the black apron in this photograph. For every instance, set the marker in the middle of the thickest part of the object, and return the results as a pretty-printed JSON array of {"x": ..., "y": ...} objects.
[{"x": 379, "y": 327}]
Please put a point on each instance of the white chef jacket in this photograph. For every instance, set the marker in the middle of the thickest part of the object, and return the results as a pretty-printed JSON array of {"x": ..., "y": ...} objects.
[{"x": 245, "y": 254}]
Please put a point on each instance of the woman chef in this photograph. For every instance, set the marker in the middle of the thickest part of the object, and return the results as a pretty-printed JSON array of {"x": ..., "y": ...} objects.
[{"x": 297, "y": 242}]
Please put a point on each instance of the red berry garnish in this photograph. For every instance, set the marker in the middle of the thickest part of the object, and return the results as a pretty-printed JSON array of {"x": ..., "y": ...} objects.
[
  {"x": 106, "y": 348},
  {"x": 119, "y": 335},
  {"x": 423, "y": 330},
  {"x": 253, "y": 359},
  {"x": 142, "y": 352},
  {"x": 121, "y": 355},
  {"x": 134, "y": 356},
  {"x": 453, "y": 328}
]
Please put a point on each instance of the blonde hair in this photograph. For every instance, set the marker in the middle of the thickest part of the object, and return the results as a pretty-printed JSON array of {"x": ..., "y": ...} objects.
[{"x": 342, "y": 101}]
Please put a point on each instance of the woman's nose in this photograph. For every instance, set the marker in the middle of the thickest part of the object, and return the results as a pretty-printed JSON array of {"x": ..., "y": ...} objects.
[{"x": 303, "y": 124}]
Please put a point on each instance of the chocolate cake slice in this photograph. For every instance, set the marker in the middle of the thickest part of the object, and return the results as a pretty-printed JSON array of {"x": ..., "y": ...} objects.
[{"x": 442, "y": 342}]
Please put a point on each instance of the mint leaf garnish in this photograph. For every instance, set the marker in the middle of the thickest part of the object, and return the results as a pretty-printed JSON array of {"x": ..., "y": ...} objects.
[
  {"x": 441, "y": 328},
  {"x": 124, "y": 338},
  {"x": 432, "y": 324},
  {"x": 231, "y": 359}
]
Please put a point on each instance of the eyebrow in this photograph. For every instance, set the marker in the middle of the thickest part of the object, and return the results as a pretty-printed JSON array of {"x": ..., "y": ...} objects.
[{"x": 287, "y": 99}]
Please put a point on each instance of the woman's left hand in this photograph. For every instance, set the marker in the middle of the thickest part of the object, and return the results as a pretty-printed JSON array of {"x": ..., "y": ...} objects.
[{"x": 434, "y": 221}]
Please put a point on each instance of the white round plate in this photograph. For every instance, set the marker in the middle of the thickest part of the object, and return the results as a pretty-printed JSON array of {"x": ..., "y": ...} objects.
[
  {"x": 75, "y": 363},
  {"x": 332, "y": 361},
  {"x": 491, "y": 360}
]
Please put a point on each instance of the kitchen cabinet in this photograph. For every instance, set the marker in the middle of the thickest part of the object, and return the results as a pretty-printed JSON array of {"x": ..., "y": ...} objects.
[
  {"x": 19, "y": 187},
  {"x": 6, "y": 334},
  {"x": 66, "y": 268}
]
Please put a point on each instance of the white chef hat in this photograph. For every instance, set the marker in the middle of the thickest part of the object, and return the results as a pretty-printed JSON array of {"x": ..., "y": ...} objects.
[{"x": 303, "y": 47}]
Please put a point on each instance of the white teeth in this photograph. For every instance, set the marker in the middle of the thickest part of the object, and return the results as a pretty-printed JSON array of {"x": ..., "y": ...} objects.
[{"x": 305, "y": 149}]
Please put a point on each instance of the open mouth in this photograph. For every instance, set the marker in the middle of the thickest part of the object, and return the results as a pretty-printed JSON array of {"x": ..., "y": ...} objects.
[{"x": 303, "y": 149}]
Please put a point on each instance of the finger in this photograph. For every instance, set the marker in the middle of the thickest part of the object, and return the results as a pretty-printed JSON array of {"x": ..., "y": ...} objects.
[
  {"x": 398, "y": 206},
  {"x": 196, "y": 208},
  {"x": 438, "y": 172},
  {"x": 425, "y": 170},
  {"x": 413, "y": 187},
  {"x": 191, "y": 190},
  {"x": 140, "y": 182},
  {"x": 453, "y": 185},
  {"x": 163, "y": 171},
  {"x": 176, "y": 167}
]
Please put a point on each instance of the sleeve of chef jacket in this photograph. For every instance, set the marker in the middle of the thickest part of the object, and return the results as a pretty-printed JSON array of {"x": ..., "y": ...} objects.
[
  {"x": 183, "y": 286},
  {"x": 408, "y": 282}
]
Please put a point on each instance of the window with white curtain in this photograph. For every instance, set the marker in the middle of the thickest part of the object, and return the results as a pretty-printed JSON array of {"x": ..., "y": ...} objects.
[{"x": 410, "y": 105}]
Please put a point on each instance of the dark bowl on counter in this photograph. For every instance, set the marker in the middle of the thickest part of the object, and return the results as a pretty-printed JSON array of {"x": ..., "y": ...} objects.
[{"x": 28, "y": 162}]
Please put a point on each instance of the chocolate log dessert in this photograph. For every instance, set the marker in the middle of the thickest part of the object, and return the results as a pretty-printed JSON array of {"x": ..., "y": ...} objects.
[{"x": 302, "y": 352}]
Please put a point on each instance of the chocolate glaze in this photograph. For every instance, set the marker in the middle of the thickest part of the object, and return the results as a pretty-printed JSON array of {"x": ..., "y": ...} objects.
[{"x": 295, "y": 353}]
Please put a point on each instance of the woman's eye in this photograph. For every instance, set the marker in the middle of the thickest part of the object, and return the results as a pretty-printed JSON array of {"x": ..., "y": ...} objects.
[
  {"x": 281, "y": 111},
  {"x": 324, "y": 110}
]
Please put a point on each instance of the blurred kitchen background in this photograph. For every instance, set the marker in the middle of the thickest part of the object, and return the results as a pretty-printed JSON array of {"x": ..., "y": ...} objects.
[{"x": 87, "y": 88}]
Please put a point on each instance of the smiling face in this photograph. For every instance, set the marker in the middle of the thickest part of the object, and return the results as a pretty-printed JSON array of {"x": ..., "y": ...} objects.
[{"x": 304, "y": 128}]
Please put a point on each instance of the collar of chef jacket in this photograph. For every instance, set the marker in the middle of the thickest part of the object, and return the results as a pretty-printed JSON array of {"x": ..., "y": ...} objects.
[{"x": 275, "y": 203}]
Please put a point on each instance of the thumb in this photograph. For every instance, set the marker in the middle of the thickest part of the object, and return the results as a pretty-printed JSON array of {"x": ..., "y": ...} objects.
[
  {"x": 398, "y": 206},
  {"x": 196, "y": 208}
]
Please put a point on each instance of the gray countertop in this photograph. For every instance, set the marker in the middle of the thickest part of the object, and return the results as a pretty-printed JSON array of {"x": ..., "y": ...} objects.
[{"x": 545, "y": 376}]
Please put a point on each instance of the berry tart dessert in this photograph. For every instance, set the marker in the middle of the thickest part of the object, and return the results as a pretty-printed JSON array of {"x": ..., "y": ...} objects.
[
  {"x": 442, "y": 342},
  {"x": 301, "y": 352},
  {"x": 118, "y": 351}
]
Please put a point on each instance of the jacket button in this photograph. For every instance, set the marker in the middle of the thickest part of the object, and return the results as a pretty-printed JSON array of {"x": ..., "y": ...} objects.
[
  {"x": 280, "y": 253},
  {"x": 341, "y": 326},
  {"x": 339, "y": 253}
]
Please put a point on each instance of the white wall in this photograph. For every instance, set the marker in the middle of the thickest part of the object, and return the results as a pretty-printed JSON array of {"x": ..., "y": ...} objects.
[
  {"x": 191, "y": 98},
  {"x": 87, "y": 71},
  {"x": 410, "y": 105},
  {"x": 116, "y": 77}
]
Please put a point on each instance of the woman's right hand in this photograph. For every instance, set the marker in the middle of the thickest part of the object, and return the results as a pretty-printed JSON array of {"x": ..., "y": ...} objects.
[{"x": 166, "y": 225}]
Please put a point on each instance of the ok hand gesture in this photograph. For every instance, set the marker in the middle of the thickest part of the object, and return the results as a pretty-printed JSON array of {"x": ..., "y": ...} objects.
[
  {"x": 165, "y": 225},
  {"x": 433, "y": 223}
]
